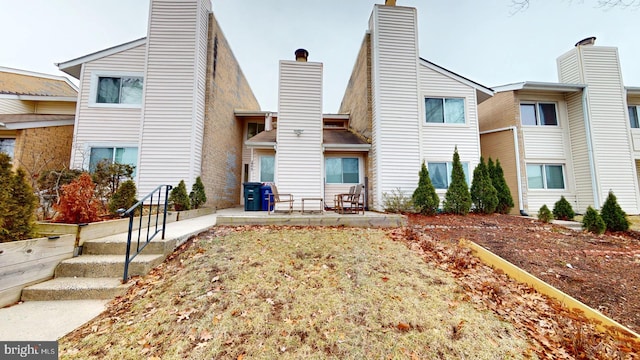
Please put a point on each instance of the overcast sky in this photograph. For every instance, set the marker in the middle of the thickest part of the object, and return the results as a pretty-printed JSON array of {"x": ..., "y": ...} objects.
[{"x": 478, "y": 39}]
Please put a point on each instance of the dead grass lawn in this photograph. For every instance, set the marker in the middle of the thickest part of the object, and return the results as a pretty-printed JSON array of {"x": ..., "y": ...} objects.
[{"x": 293, "y": 293}]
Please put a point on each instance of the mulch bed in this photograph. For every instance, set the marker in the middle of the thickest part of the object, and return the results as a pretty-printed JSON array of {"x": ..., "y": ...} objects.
[{"x": 602, "y": 271}]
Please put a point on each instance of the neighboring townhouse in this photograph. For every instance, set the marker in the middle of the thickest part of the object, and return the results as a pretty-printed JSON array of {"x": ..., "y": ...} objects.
[
  {"x": 410, "y": 109},
  {"x": 37, "y": 114},
  {"x": 398, "y": 111},
  {"x": 165, "y": 103},
  {"x": 578, "y": 138}
]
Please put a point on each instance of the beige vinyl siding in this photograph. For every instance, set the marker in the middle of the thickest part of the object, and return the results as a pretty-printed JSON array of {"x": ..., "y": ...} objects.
[
  {"x": 635, "y": 136},
  {"x": 610, "y": 128},
  {"x": 537, "y": 198},
  {"x": 440, "y": 140},
  {"x": 583, "y": 185},
  {"x": 15, "y": 106},
  {"x": 172, "y": 105},
  {"x": 55, "y": 107},
  {"x": 546, "y": 142},
  {"x": 569, "y": 68},
  {"x": 299, "y": 160},
  {"x": 102, "y": 125},
  {"x": 396, "y": 118}
]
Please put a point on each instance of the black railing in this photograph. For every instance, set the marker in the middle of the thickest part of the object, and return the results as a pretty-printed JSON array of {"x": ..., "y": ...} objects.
[{"x": 155, "y": 204}]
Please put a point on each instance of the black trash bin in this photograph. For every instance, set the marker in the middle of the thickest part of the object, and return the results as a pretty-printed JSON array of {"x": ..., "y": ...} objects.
[
  {"x": 252, "y": 196},
  {"x": 265, "y": 194}
]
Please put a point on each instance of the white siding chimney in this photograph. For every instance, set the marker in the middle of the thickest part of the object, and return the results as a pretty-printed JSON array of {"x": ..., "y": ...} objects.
[
  {"x": 395, "y": 101},
  {"x": 299, "y": 159},
  {"x": 174, "y": 93}
]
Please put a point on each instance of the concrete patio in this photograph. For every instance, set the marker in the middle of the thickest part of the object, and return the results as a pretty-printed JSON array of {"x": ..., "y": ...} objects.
[{"x": 237, "y": 216}]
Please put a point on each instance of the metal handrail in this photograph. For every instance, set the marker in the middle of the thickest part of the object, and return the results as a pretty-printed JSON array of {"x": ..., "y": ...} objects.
[{"x": 153, "y": 202}]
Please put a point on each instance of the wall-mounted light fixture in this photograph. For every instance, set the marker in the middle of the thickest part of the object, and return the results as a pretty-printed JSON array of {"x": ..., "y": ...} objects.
[
  {"x": 298, "y": 132},
  {"x": 2, "y": 124}
]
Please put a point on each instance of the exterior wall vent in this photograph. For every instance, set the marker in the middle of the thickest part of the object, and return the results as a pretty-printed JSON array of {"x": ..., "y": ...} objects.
[
  {"x": 301, "y": 55},
  {"x": 588, "y": 41}
]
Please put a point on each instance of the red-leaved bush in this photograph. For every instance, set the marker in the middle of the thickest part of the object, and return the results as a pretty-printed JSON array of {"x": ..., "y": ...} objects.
[{"x": 77, "y": 202}]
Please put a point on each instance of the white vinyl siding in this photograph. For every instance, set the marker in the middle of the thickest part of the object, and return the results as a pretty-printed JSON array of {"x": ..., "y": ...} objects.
[
  {"x": 299, "y": 159},
  {"x": 173, "y": 101},
  {"x": 396, "y": 109},
  {"x": 544, "y": 142},
  {"x": 439, "y": 142},
  {"x": 99, "y": 124},
  {"x": 579, "y": 155},
  {"x": 610, "y": 130}
]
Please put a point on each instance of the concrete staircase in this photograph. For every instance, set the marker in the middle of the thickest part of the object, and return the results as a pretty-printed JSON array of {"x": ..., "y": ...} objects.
[{"x": 97, "y": 273}]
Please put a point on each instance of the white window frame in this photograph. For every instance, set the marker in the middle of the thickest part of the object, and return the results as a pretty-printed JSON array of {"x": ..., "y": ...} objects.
[
  {"x": 544, "y": 176},
  {"x": 536, "y": 105},
  {"x": 444, "y": 98},
  {"x": 449, "y": 166},
  {"x": 93, "y": 89},
  {"x": 86, "y": 159},
  {"x": 345, "y": 156}
]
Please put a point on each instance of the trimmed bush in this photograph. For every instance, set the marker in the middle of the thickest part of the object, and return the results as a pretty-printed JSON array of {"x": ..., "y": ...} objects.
[
  {"x": 457, "y": 200},
  {"x": 544, "y": 214},
  {"x": 593, "y": 222},
  {"x": 124, "y": 197},
  {"x": 483, "y": 195},
  {"x": 613, "y": 215},
  {"x": 425, "y": 198},
  {"x": 197, "y": 194},
  {"x": 78, "y": 203},
  {"x": 505, "y": 200},
  {"x": 562, "y": 210},
  {"x": 178, "y": 197},
  {"x": 396, "y": 202}
]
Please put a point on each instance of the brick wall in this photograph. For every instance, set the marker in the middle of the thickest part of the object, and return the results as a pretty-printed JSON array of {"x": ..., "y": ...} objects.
[
  {"x": 499, "y": 111},
  {"x": 43, "y": 148},
  {"x": 227, "y": 90},
  {"x": 357, "y": 102}
]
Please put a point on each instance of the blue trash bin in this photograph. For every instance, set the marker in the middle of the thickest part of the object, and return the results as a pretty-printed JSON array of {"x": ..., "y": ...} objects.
[{"x": 265, "y": 194}]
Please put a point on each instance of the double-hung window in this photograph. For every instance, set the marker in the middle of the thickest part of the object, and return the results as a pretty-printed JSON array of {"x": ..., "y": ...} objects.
[
  {"x": 541, "y": 114},
  {"x": 267, "y": 164},
  {"x": 7, "y": 145},
  {"x": 118, "y": 90},
  {"x": 633, "y": 117},
  {"x": 120, "y": 155},
  {"x": 440, "y": 173},
  {"x": 545, "y": 176},
  {"x": 444, "y": 110},
  {"x": 342, "y": 170}
]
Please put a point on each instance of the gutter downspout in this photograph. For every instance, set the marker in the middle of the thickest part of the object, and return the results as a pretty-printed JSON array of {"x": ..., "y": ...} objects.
[
  {"x": 592, "y": 162},
  {"x": 517, "y": 151}
]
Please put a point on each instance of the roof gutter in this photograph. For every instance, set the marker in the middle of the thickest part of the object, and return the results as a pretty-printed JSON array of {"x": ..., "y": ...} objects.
[{"x": 517, "y": 153}]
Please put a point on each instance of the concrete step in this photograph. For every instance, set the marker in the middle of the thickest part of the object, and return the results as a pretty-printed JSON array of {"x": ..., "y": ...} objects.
[
  {"x": 109, "y": 266},
  {"x": 117, "y": 245},
  {"x": 68, "y": 288}
]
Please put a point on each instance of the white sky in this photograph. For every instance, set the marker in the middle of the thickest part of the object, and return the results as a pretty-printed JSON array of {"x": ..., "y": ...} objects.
[{"x": 478, "y": 39}]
